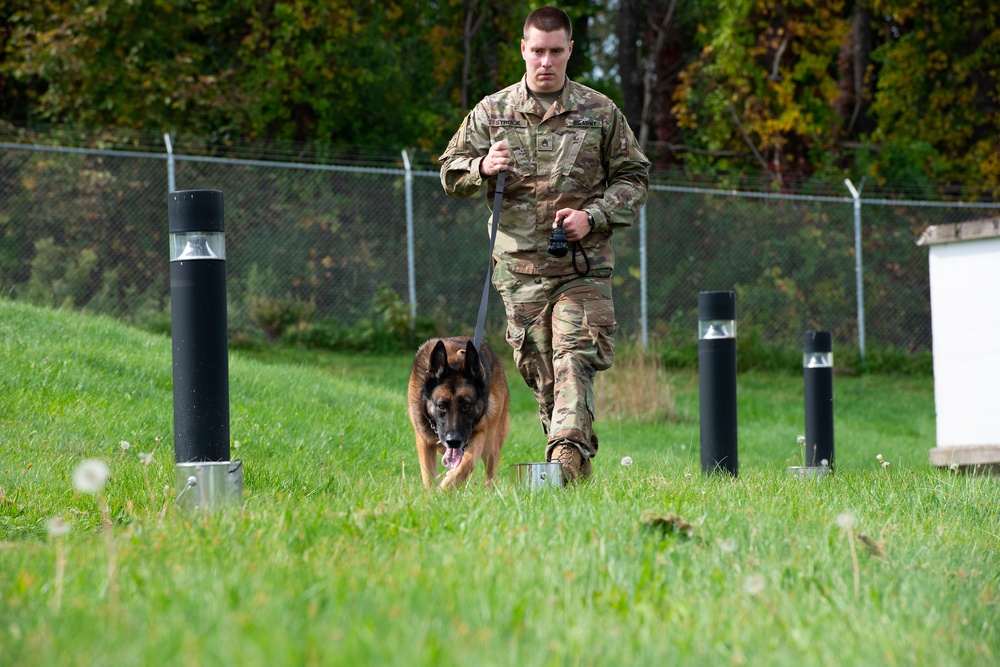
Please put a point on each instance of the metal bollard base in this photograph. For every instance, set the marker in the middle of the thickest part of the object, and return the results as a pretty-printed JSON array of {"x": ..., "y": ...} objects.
[
  {"x": 537, "y": 476},
  {"x": 208, "y": 485},
  {"x": 809, "y": 472}
]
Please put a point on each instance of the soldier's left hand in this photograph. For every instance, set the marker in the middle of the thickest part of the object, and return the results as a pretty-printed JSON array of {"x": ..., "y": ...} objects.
[{"x": 576, "y": 223}]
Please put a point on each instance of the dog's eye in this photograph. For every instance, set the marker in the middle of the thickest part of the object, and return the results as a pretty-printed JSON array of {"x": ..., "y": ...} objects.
[
  {"x": 465, "y": 406},
  {"x": 443, "y": 407}
]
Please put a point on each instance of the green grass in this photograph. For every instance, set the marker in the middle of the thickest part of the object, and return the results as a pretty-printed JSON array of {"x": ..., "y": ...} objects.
[{"x": 339, "y": 557}]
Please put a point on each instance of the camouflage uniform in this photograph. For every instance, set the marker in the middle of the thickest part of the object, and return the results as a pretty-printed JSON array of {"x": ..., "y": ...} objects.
[{"x": 580, "y": 154}]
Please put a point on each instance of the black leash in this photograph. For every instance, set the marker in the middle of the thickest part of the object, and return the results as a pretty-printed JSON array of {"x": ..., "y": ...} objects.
[
  {"x": 577, "y": 246},
  {"x": 484, "y": 302}
]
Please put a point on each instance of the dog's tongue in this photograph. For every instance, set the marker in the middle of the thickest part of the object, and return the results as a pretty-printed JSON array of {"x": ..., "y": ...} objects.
[{"x": 452, "y": 457}]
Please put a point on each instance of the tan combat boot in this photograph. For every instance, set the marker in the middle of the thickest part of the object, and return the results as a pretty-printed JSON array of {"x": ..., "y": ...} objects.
[{"x": 575, "y": 467}]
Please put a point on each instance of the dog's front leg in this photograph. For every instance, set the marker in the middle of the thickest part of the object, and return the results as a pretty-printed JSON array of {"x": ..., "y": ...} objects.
[{"x": 427, "y": 455}]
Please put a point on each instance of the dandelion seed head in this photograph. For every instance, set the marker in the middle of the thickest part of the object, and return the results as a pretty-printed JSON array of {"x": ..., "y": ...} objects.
[
  {"x": 683, "y": 447},
  {"x": 885, "y": 464},
  {"x": 627, "y": 461},
  {"x": 801, "y": 440},
  {"x": 754, "y": 584},
  {"x": 91, "y": 475},
  {"x": 878, "y": 457},
  {"x": 57, "y": 526},
  {"x": 845, "y": 520},
  {"x": 954, "y": 467},
  {"x": 145, "y": 458},
  {"x": 727, "y": 545},
  {"x": 125, "y": 445},
  {"x": 824, "y": 463}
]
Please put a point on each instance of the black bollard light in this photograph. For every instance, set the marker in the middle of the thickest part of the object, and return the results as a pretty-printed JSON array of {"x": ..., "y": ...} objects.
[
  {"x": 205, "y": 476},
  {"x": 717, "y": 381},
  {"x": 817, "y": 371}
]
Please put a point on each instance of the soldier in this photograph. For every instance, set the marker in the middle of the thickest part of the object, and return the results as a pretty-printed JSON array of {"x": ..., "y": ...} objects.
[{"x": 571, "y": 159}]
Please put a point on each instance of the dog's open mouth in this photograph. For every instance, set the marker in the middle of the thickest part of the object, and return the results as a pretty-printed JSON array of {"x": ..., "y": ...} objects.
[{"x": 452, "y": 457}]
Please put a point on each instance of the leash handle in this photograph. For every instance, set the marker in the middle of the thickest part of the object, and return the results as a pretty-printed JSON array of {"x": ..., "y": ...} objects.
[{"x": 485, "y": 300}]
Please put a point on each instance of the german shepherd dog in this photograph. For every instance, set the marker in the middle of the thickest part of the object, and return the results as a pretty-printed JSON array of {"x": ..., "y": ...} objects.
[{"x": 459, "y": 406}]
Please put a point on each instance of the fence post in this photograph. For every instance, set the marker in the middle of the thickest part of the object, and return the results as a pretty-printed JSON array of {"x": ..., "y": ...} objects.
[
  {"x": 171, "y": 182},
  {"x": 411, "y": 270},
  {"x": 643, "y": 280},
  {"x": 858, "y": 270}
]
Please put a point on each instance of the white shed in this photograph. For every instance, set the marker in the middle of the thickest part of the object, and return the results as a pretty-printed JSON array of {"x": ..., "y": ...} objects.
[{"x": 965, "y": 322}]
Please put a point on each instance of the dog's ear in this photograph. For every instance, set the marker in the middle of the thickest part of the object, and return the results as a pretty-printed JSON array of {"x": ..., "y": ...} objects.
[
  {"x": 473, "y": 366},
  {"x": 438, "y": 363}
]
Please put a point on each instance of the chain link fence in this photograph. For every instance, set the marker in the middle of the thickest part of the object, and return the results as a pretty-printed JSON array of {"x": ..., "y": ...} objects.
[{"x": 87, "y": 229}]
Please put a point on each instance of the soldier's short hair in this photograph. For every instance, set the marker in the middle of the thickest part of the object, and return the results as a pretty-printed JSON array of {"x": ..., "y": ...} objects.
[{"x": 549, "y": 19}]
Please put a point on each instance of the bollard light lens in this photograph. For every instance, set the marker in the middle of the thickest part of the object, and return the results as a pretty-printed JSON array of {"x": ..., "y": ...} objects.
[
  {"x": 711, "y": 329},
  {"x": 817, "y": 360},
  {"x": 197, "y": 245}
]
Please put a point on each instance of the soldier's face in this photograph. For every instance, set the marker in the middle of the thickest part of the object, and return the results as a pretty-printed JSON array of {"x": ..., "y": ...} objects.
[{"x": 545, "y": 56}]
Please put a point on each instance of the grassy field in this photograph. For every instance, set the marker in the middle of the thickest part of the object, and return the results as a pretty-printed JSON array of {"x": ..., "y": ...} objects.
[{"x": 339, "y": 557}]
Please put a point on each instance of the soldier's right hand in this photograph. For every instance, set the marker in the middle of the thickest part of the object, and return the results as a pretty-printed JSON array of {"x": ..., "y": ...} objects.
[{"x": 496, "y": 160}]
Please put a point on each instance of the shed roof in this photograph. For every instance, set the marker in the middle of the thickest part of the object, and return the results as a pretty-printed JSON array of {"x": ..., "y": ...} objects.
[{"x": 986, "y": 228}]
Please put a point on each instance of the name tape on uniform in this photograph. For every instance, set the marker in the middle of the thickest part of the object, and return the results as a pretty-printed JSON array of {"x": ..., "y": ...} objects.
[{"x": 508, "y": 122}]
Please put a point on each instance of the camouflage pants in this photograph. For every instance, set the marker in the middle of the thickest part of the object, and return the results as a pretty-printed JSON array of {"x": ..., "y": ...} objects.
[{"x": 561, "y": 329}]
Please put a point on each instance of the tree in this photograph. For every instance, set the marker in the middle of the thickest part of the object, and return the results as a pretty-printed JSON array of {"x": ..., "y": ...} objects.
[
  {"x": 936, "y": 101},
  {"x": 656, "y": 40},
  {"x": 334, "y": 72},
  {"x": 152, "y": 63},
  {"x": 856, "y": 74},
  {"x": 630, "y": 66},
  {"x": 474, "y": 17},
  {"x": 761, "y": 92},
  {"x": 896, "y": 89}
]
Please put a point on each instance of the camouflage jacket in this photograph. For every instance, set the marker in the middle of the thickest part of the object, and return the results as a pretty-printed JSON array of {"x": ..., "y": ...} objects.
[{"x": 581, "y": 154}]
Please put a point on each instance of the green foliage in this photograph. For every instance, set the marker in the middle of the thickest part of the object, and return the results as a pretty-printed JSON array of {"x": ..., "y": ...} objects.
[
  {"x": 887, "y": 360},
  {"x": 88, "y": 221},
  {"x": 778, "y": 72},
  {"x": 937, "y": 91},
  {"x": 59, "y": 277},
  {"x": 157, "y": 64},
  {"x": 902, "y": 165},
  {"x": 340, "y": 69},
  {"x": 277, "y": 315},
  {"x": 371, "y": 73},
  {"x": 681, "y": 354},
  {"x": 270, "y": 307},
  {"x": 390, "y": 328},
  {"x": 754, "y": 353},
  {"x": 392, "y": 313},
  {"x": 768, "y": 69},
  {"x": 743, "y": 86}
]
